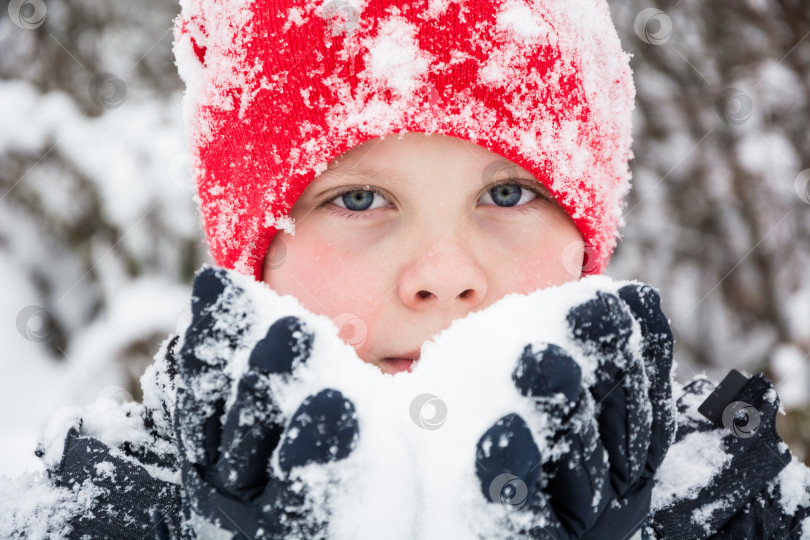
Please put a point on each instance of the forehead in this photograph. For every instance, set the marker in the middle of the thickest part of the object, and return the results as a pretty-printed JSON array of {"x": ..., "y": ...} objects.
[{"x": 395, "y": 157}]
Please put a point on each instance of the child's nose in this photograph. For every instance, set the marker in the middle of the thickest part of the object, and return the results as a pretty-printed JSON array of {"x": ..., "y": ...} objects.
[{"x": 447, "y": 277}]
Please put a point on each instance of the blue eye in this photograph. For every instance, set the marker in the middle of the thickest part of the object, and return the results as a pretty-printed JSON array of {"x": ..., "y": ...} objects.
[
  {"x": 357, "y": 200},
  {"x": 354, "y": 202},
  {"x": 510, "y": 194}
]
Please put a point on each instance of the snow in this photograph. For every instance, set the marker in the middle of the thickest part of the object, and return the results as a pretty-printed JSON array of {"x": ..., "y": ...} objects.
[
  {"x": 412, "y": 471},
  {"x": 703, "y": 516},
  {"x": 86, "y": 376},
  {"x": 791, "y": 376},
  {"x": 45, "y": 511},
  {"x": 133, "y": 159},
  {"x": 551, "y": 67},
  {"x": 130, "y": 317},
  {"x": 395, "y": 58},
  {"x": 217, "y": 26},
  {"x": 520, "y": 19},
  {"x": 35, "y": 383},
  {"x": 412, "y": 474},
  {"x": 104, "y": 149},
  {"x": 793, "y": 481},
  {"x": 32, "y": 385},
  {"x": 688, "y": 467}
]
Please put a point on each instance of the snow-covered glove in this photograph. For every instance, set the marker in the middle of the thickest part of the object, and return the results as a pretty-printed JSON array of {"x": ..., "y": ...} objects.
[
  {"x": 611, "y": 433},
  {"x": 226, "y": 439},
  {"x": 730, "y": 478}
]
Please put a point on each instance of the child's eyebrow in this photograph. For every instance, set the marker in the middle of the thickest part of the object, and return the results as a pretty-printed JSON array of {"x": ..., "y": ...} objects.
[
  {"x": 361, "y": 174},
  {"x": 366, "y": 173}
]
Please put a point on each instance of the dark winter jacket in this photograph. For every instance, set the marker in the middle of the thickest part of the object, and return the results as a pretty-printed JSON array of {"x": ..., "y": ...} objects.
[{"x": 115, "y": 486}]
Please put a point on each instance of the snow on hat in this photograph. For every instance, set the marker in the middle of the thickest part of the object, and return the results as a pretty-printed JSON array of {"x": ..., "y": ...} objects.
[{"x": 276, "y": 89}]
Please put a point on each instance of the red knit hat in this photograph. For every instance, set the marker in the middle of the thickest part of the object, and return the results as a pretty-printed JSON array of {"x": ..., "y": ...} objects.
[{"x": 277, "y": 89}]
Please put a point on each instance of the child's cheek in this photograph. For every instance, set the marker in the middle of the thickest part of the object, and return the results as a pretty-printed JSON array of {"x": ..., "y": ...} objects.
[
  {"x": 542, "y": 272},
  {"x": 336, "y": 280},
  {"x": 547, "y": 256}
]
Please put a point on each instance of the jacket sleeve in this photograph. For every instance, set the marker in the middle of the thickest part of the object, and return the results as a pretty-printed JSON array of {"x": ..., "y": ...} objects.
[
  {"x": 117, "y": 467},
  {"x": 716, "y": 483}
]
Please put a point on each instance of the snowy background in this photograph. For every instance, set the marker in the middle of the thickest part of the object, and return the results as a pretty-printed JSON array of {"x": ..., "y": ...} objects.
[{"x": 99, "y": 237}]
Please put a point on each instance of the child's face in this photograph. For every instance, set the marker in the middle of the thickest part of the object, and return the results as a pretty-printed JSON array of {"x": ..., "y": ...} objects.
[{"x": 434, "y": 245}]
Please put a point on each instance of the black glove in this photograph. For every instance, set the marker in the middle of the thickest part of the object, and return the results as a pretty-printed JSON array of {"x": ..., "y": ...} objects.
[
  {"x": 225, "y": 455},
  {"x": 746, "y": 470},
  {"x": 609, "y": 438}
]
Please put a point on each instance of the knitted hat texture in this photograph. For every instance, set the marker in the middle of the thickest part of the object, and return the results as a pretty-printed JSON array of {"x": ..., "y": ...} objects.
[{"x": 276, "y": 89}]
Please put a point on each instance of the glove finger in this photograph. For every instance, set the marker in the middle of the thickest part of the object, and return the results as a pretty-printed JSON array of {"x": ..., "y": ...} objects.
[
  {"x": 218, "y": 316},
  {"x": 254, "y": 423},
  {"x": 225, "y": 512},
  {"x": 621, "y": 522},
  {"x": 554, "y": 380},
  {"x": 624, "y": 416},
  {"x": 507, "y": 462},
  {"x": 207, "y": 346},
  {"x": 547, "y": 373},
  {"x": 657, "y": 350},
  {"x": 602, "y": 326},
  {"x": 508, "y": 466},
  {"x": 322, "y": 430}
]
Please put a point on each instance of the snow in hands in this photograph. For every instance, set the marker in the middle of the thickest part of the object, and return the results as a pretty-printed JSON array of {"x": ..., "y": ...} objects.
[{"x": 566, "y": 387}]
